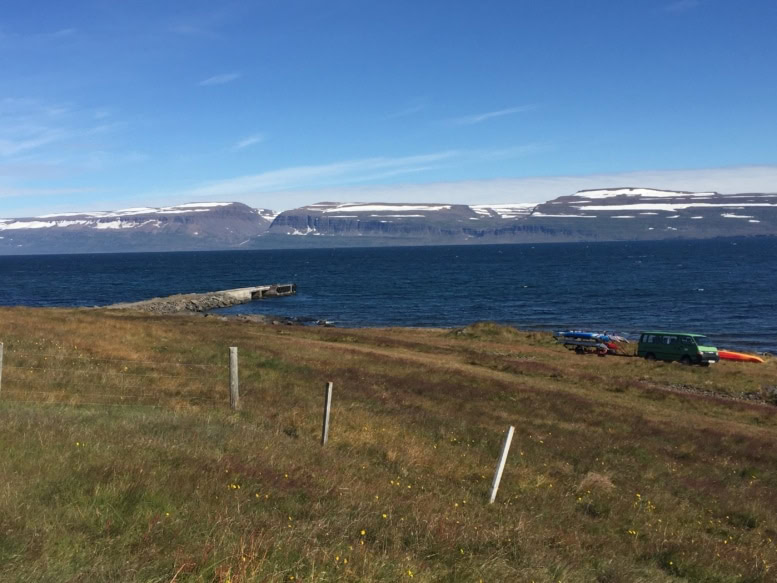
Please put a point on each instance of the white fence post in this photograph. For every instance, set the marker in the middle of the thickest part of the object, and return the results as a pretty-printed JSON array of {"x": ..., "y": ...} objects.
[
  {"x": 327, "y": 408},
  {"x": 501, "y": 465},
  {"x": 234, "y": 393}
]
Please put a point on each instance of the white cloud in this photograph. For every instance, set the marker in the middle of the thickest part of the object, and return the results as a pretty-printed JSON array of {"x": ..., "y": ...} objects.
[
  {"x": 481, "y": 117},
  {"x": 531, "y": 189},
  {"x": 220, "y": 79},
  {"x": 249, "y": 141}
]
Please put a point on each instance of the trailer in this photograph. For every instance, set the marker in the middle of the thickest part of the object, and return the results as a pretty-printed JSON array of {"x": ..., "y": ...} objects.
[{"x": 582, "y": 342}]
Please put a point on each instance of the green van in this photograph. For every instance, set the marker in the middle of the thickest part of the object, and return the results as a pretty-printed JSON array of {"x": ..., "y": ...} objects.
[{"x": 677, "y": 346}]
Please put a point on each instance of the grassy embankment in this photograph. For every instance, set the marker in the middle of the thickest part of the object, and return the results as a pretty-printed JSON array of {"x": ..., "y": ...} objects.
[{"x": 611, "y": 478}]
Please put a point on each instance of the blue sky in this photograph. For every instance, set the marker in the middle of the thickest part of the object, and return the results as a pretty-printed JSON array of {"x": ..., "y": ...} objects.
[{"x": 280, "y": 103}]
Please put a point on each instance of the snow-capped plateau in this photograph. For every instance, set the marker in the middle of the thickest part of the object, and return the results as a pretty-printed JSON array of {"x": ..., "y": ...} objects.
[{"x": 613, "y": 214}]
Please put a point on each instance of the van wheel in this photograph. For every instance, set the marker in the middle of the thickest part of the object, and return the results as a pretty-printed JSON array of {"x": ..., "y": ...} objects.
[
  {"x": 650, "y": 356},
  {"x": 685, "y": 359}
]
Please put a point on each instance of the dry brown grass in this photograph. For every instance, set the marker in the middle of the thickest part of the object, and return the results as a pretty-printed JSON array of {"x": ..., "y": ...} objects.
[{"x": 613, "y": 476}]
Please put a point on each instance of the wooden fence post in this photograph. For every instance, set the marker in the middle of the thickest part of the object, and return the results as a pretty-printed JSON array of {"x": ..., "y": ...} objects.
[
  {"x": 327, "y": 408},
  {"x": 501, "y": 465},
  {"x": 234, "y": 393},
  {"x": 1, "y": 365}
]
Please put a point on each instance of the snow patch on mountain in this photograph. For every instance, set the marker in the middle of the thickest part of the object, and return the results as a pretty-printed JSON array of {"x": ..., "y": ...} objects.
[
  {"x": 650, "y": 206},
  {"x": 372, "y": 208},
  {"x": 33, "y": 224},
  {"x": 505, "y": 211},
  {"x": 561, "y": 216},
  {"x": 646, "y": 192},
  {"x": 400, "y": 216},
  {"x": 177, "y": 209}
]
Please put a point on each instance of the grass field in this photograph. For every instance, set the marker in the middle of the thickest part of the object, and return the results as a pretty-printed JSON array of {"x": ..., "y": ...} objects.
[{"x": 120, "y": 459}]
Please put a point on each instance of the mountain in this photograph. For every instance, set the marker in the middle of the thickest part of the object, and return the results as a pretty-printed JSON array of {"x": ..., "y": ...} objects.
[
  {"x": 590, "y": 215},
  {"x": 186, "y": 227},
  {"x": 617, "y": 214}
]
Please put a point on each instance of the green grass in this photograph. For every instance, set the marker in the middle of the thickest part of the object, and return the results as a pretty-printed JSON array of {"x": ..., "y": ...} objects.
[{"x": 125, "y": 467}]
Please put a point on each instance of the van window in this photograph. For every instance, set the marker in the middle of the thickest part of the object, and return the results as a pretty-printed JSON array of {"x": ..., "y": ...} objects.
[
  {"x": 670, "y": 339},
  {"x": 686, "y": 340}
]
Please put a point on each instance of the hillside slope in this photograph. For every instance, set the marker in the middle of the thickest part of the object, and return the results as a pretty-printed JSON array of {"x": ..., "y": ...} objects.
[
  {"x": 186, "y": 227},
  {"x": 122, "y": 461}
]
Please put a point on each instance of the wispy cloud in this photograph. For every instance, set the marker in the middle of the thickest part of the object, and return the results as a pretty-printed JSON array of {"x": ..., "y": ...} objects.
[
  {"x": 194, "y": 31},
  {"x": 9, "y": 192},
  {"x": 481, "y": 117},
  {"x": 37, "y": 39},
  {"x": 63, "y": 33},
  {"x": 514, "y": 152},
  {"x": 407, "y": 111},
  {"x": 22, "y": 140},
  {"x": 207, "y": 23},
  {"x": 682, "y": 5},
  {"x": 27, "y": 125},
  {"x": 43, "y": 141},
  {"x": 220, "y": 79},
  {"x": 348, "y": 172},
  {"x": 315, "y": 175},
  {"x": 249, "y": 141}
]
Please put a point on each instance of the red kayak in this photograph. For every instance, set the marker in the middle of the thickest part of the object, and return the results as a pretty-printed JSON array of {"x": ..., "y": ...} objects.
[{"x": 741, "y": 356}]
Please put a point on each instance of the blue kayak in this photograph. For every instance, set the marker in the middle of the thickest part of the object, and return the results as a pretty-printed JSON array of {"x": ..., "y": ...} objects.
[
  {"x": 597, "y": 336},
  {"x": 580, "y": 335}
]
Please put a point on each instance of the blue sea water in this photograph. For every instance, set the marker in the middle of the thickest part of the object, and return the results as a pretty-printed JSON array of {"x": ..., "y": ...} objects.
[{"x": 726, "y": 289}]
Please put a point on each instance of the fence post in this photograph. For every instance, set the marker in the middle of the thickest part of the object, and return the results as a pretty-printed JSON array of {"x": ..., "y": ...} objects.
[
  {"x": 501, "y": 465},
  {"x": 327, "y": 408},
  {"x": 234, "y": 394},
  {"x": 1, "y": 366}
]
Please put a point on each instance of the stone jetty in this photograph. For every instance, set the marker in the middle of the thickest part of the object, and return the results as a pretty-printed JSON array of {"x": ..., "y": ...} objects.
[{"x": 204, "y": 302}]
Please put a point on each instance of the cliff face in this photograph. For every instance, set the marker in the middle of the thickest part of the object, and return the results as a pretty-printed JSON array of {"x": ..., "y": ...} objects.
[
  {"x": 603, "y": 215},
  {"x": 420, "y": 223},
  {"x": 188, "y": 227},
  {"x": 416, "y": 221}
]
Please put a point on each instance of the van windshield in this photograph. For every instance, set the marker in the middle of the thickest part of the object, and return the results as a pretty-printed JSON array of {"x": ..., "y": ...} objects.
[{"x": 702, "y": 341}]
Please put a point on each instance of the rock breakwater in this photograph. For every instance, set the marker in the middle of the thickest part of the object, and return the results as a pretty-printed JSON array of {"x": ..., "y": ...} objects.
[{"x": 204, "y": 302}]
